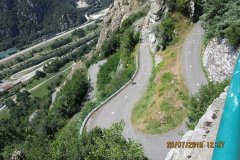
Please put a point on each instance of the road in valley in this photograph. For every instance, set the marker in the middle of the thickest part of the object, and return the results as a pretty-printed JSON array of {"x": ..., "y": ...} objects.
[
  {"x": 191, "y": 60},
  {"x": 43, "y": 43},
  {"x": 120, "y": 107}
]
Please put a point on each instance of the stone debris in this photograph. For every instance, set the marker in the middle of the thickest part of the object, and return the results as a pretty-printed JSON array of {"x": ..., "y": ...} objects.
[
  {"x": 18, "y": 155},
  {"x": 219, "y": 60},
  {"x": 205, "y": 131}
]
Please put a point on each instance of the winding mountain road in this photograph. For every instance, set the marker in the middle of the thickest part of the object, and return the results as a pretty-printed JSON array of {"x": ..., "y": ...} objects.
[
  {"x": 191, "y": 60},
  {"x": 120, "y": 107}
]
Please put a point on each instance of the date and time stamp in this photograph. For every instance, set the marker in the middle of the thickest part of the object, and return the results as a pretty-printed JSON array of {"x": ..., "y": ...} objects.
[{"x": 211, "y": 144}]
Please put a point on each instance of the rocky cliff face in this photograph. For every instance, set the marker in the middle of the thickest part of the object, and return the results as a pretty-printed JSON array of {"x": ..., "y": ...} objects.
[
  {"x": 157, "y": 11},
  {"x": 219, "y": 60},
  {"x": 205, "y": 131},
  {"x": 119, "y": 11}
]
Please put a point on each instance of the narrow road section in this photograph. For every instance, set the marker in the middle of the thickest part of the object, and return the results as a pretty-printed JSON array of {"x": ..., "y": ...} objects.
[
  {"x": 191, "y": 60},
  {"x": 120, "y": 108},
  {"x": 92, "y": 72}
]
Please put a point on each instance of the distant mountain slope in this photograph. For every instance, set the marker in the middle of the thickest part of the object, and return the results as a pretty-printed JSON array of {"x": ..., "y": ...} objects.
[{"x": 23, "y": 21}]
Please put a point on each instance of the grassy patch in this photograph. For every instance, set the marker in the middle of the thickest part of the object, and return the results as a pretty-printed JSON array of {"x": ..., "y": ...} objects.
[
  {"x": 35, "y": 82},
  {"x": 44, "y": 90},
  {"x": 4, "y": 114},
  {"x": 50, "y": 80},
  {"x": 162, "y": 107}
]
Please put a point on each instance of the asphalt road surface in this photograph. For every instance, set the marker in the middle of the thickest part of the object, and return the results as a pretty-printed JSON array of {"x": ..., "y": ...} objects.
[
  {"x": 191, "y": 60},
  {"x": 120, "y": 108},
  {"x": 93, "y": 71}
]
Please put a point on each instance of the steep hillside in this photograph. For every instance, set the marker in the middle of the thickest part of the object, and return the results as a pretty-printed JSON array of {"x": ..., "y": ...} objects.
[
  {"x": 221, "y": 23},
  {"x": 24, "y": 21}
]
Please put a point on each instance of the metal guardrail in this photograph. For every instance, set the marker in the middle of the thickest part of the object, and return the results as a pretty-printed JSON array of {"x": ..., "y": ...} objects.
[
  {"x": 109, "y": 98},
  {"x": 229, "y": 130}
]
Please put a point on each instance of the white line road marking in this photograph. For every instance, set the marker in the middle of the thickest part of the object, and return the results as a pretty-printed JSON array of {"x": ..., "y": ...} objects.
[
  {"x": 198, "y": 85},
  {"x": 189, "y": 52},
  {"x": 194, "y": 41},
  {"x": 190, "y": 66},
  {"x": 113, "y": 113},
  {"x": 126, "y": 97}
]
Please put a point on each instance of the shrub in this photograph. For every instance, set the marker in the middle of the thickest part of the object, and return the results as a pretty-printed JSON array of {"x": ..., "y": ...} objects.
[
  {"x": 167, "y": 31},
  {"x": 221, "y": 19},
  {"x": 97, "y": 144},
  {"x": 39, "y": 74},
  {"x": 69, "y": 100},
  {"x": 132, "y": 18},
  {"x": 200, "y": 102},
  {"x": 79, "y": 33}
]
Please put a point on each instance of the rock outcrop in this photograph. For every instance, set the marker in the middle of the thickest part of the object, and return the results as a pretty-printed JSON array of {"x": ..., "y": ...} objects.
[
  {"x": 119, "y": 11},
  {"x": 219, "y": 60},
  {"x": 18, "y": 155},
  {"x": 205, "y": 131},
  {"x": 157, "y": 10}
]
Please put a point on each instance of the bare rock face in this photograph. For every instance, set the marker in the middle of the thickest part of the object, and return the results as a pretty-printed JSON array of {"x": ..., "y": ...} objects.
[
  {"x": 156, "y": 12},
  {"x": 119, "y": 11},
  {"x": 205, "y": 131},
  {"x": 219, "y": 60}
]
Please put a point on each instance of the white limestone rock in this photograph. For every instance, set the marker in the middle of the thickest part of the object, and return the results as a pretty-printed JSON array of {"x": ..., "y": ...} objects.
[{"x": 219, "y": 60}]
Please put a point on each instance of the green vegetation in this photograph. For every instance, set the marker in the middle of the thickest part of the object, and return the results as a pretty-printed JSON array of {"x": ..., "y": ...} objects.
[
  {"x": 119, "y": 67},
  {"x": 8, "y": 52},
  {"x": 34, "y": 137},
  {"x": 68, "y": 138},
  {"x": 72, "y": 95},
  {"x": 45, "y": 137},
  {"x": 132, "y": 18},
  {"x": 221, "y": 19},
  {"x": 49, "y": 86},
  {"x": 39, "y": 74},
  {"x": 34, "y": 82},
  {"x": 41, "y": 20},
  {"x": 55, "y": 65},
  {"x": 166, "y": 30},
  {"x": 60, "y": 42},
  {"x": 97, "y": 5},
  {"x": 97, "y": 144},
  {"x": 163, "y": 106},
  {"x": 73, "y": 51},
  {"x": 183, "y": 6},
  {"x": 79, "y": 33},
  {"x": 4, "y": 114},
  {"x": 200, "y": 102}
]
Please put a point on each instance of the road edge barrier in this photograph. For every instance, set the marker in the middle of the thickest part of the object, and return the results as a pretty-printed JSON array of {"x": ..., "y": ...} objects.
[{"x": 112, "y": 96}]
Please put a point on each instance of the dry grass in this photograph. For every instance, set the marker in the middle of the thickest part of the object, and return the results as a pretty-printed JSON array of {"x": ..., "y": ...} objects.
[{"x": 162, "y": 107}]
